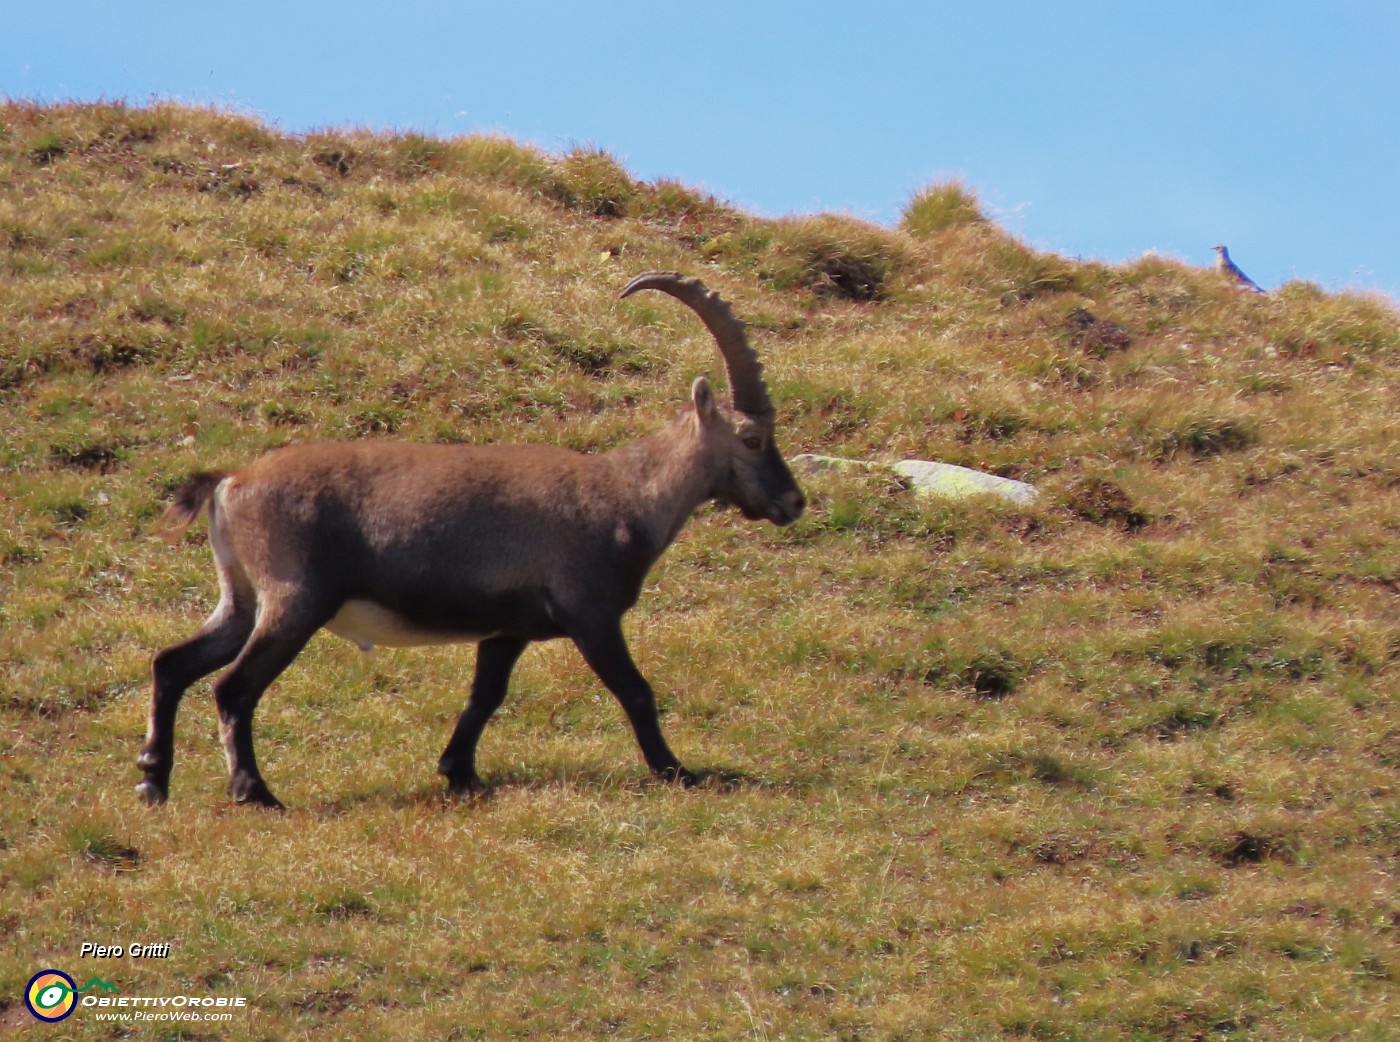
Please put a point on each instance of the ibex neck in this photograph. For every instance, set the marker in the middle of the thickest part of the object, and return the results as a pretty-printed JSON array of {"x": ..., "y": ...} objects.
[{"x": 666, "y": 474}]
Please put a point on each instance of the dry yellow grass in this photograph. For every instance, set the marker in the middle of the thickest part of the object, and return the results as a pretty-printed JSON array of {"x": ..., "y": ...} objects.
[{"x": 1121, "y": 765}]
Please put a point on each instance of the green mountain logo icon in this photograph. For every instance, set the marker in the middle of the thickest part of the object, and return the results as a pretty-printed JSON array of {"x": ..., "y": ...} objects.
[{"x": 98, "y": 982}]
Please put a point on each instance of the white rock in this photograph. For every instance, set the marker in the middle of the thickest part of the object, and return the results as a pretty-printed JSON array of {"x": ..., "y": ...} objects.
[
  {"x": 944, "y": 479},
  {"x": 927, "y": 478}
]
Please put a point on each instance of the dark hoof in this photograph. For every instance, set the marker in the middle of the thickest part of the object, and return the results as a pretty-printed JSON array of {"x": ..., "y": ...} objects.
[
  {"x": 678, "y": 775},
  {"x": 152, "y": 793},
  {"x": 465, "y": 788},
  {"x": 460, "y": 783},
  {"x": 256, "y": 794}
]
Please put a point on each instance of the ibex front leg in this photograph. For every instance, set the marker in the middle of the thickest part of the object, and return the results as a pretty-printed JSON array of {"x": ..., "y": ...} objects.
[{"x": 605, "y": 651}]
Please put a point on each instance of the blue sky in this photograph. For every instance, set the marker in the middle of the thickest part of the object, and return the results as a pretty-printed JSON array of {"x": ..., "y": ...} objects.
[{"x": 1095, "y": 129}]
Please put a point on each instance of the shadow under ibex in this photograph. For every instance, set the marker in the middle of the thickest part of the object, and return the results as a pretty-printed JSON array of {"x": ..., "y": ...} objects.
[{"x": 719, "y": 780}]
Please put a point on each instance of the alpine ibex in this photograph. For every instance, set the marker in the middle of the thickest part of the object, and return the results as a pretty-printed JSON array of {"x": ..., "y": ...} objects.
[{"x": 407, "y": 544}]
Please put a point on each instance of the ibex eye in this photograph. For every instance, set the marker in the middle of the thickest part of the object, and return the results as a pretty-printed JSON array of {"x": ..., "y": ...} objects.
[{"x": 753, "y": 442}]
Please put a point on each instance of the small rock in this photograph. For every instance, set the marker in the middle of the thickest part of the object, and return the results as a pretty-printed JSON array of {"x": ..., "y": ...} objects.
[{"x": 944, "y": 479}]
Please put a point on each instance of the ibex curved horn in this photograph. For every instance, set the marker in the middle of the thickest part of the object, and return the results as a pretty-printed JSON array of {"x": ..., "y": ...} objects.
[{"x": 746, "y": 386}]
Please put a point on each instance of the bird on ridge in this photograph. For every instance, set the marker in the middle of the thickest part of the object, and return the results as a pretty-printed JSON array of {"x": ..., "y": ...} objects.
[{"x": 1231, "y": 270}]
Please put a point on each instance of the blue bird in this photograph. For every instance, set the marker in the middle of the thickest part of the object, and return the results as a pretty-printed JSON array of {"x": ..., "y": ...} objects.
[{"x": 1231, "y": 270}]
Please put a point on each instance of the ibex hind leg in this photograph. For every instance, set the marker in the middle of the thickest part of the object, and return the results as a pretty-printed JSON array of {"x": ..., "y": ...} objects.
[
  {"x": 495, "y": 658},
  {"x": 277, "y": 639},
  {"x": 173, "y": 670}
]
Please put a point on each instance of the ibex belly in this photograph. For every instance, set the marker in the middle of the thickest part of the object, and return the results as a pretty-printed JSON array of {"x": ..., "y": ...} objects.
[{"x": 367, "y": 624}]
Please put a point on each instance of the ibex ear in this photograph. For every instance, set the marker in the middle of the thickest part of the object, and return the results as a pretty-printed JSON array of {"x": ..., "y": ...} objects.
[{"x": 704, "y": 399}]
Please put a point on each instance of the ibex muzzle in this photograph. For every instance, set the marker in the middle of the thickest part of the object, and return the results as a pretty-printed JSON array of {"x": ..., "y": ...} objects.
[{"x": 405, "y": 544}]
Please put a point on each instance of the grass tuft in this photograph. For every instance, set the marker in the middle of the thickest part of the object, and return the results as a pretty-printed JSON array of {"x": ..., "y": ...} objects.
[
  {"x": 95, "y": 844},
  {"x": 939, "y": 207},
  {"x": 1251, "y": 848},
  {"x": 46, "y": 150},
  {"x": 594, "y": 183},
  {"x": 1096, "y": 337},
  {"x": 835, "y": 256},
  {"x": 1207, "y": 436},
  {"x": 1102, "y": 502}
]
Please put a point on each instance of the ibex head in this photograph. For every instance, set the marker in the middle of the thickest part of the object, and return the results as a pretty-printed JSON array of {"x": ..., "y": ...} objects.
[{"x": 750, "y": 471}]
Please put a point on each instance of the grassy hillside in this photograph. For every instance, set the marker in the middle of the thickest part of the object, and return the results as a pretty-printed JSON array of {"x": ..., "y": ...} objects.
[{"x": 1121, "y": 765}]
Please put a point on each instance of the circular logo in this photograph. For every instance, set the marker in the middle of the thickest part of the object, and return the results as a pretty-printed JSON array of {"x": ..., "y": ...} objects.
[{"x": 51, "y": 995}]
